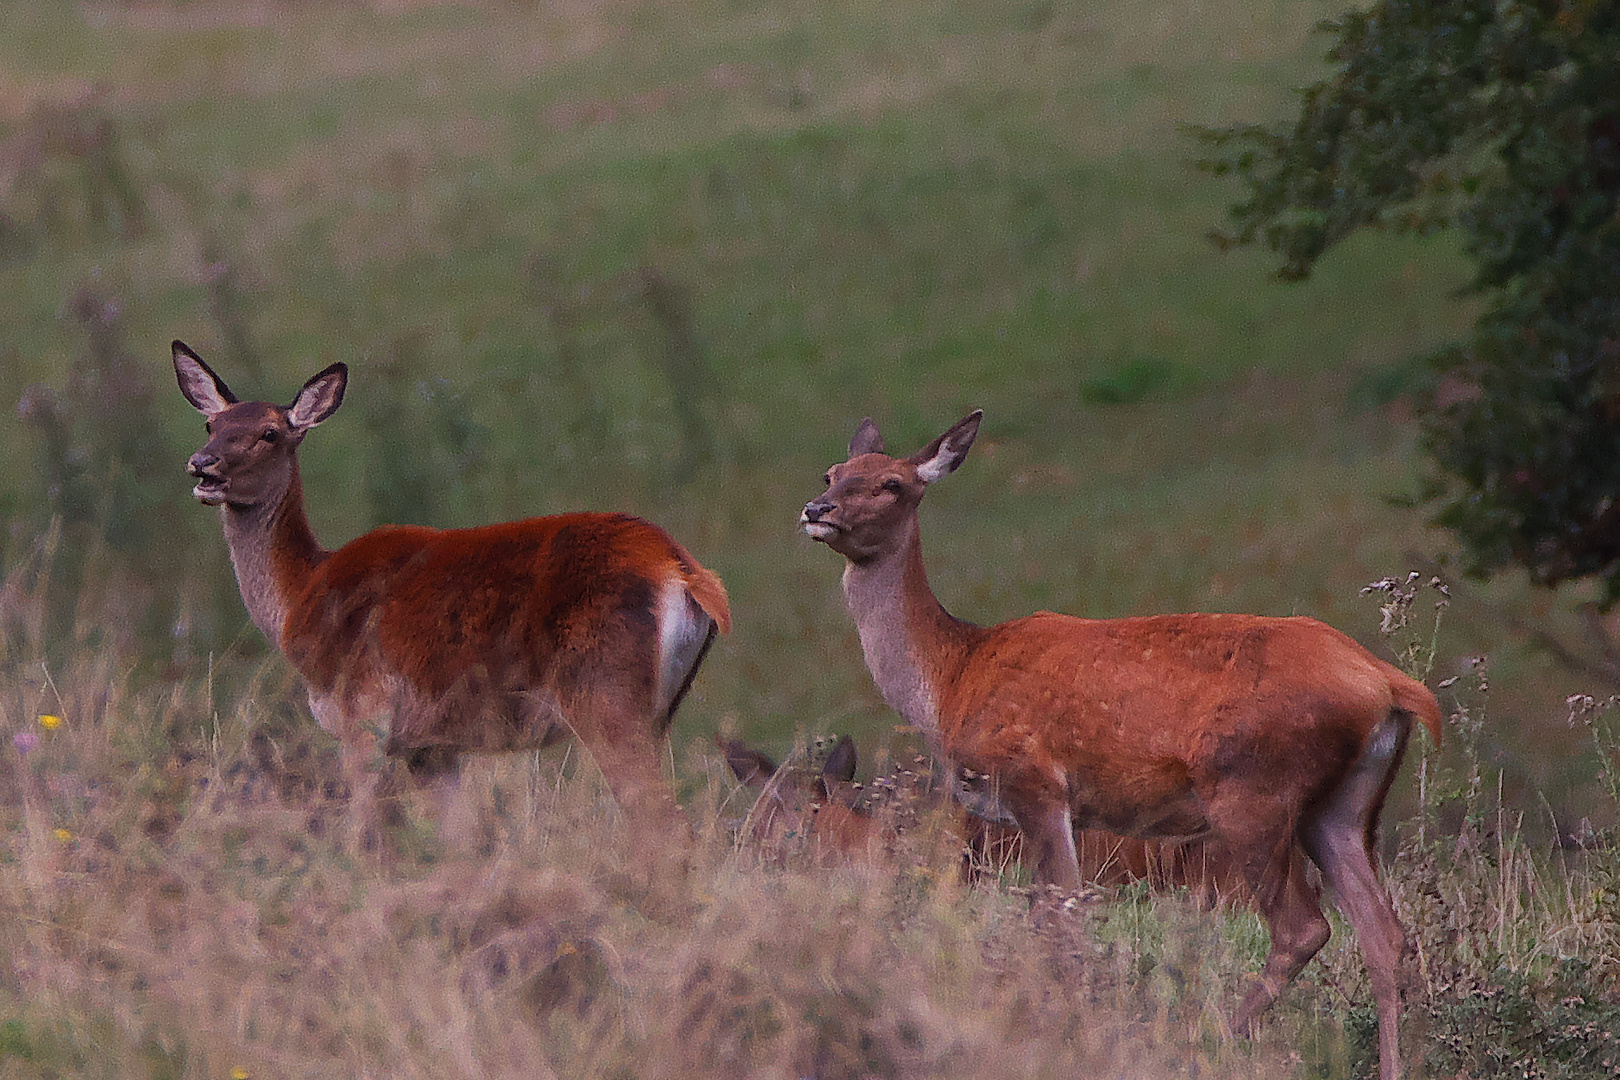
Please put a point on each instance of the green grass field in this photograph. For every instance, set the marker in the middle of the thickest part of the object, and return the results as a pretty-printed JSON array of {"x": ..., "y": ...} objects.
[{"x": 662, "y": 258}]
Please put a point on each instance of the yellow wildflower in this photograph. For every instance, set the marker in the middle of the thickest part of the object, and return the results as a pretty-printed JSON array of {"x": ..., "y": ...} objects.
[
  {"x": 49, "y": 721},
  {"x": 64, "y": 835},
  {"x": 239, "y": 1073}
]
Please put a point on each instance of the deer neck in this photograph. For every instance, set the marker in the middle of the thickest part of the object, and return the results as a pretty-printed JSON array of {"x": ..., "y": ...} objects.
[
  {"x": 273, "y": 551},
  {"x": 911, "y": 642}
]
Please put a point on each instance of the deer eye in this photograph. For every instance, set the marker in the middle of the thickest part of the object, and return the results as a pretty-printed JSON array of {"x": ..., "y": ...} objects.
[
  {"x": 208, "y": 426},
  {"x": 892, "y": 485},
  {"x": 270, "y": 436},
  {"x": 827, "y": 479}
]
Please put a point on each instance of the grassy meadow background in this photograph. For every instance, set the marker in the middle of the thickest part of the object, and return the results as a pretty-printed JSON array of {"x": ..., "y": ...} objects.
[{"x": 662, "y": 258}]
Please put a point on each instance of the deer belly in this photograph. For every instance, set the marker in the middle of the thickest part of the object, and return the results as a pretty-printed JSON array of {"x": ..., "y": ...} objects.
[
  {"x": 1159, "y": 806},
  {"x": 481, "y": 721},
  {"x": 474, "y": 713}
]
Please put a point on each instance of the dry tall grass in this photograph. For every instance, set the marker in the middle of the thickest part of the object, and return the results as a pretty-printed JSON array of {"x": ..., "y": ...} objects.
[{"x": 177, "y": 902}]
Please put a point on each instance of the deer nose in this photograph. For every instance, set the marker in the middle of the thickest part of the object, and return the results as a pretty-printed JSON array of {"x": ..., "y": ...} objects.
[
  {"x": 814, "y": 509},
  {"x": 202, "y": 463}
]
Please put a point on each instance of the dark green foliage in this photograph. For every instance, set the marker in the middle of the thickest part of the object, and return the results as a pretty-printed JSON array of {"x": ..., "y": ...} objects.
[
  {"x": 1388, "y": 383},
  {"x": 14, "y": 1041},
  {"x": 1501, "y": 120},
  {"x": 50, "y": 1047}
]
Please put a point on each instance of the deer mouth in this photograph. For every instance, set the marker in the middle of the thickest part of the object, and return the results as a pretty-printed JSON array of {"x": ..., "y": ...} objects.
[
  {"x": 819, "y": 530},
  {"x": 210, "y": 490}
]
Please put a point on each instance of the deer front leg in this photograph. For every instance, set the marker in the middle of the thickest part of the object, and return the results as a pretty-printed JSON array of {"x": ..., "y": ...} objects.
[
  {"x": 360, "y": 760},
  {"x": 1291, "y": 908},
  {"x": 437, "y": 770},
  {"x": 1048, "y": 830}
]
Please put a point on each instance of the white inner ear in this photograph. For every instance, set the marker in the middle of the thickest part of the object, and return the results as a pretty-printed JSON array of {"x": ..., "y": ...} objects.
[
  {"x": 314, "y": 404},
  {"x": 935, "y": 467},
  {"x": 201, "y": 391}
]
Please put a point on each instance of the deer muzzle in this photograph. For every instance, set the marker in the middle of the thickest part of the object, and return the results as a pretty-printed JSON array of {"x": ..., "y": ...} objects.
[
  {"x": 204, "y": 468},
  {"x": 811, "y": 520}
]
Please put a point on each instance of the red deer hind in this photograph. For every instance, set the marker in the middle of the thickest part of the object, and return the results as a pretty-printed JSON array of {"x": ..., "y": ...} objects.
[
  {"x": 1276, "y": 739},
  {"x": 438, "y": 641}
]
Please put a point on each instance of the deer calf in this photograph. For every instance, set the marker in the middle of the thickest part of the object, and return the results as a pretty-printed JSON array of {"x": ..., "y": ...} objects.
[
  {"x": 1275, "y": 739},
  {"x": 819, "y": 811},
  {"x": 424, "y": 641}
]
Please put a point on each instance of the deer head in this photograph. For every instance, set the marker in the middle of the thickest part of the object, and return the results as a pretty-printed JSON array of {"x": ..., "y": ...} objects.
[
  {"x": 872, "y": 497},
  {"x": 249, "y": 459},
  {"x": 793, "y": 803}
]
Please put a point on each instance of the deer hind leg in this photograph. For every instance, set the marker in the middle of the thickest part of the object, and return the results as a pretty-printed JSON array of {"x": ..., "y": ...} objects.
[
  {"x": 615, "y": 721},
  {"x": 1339, "y": 835},
  {"x": 625, "y": 738},
  {"x": 1259, "y": 836}
]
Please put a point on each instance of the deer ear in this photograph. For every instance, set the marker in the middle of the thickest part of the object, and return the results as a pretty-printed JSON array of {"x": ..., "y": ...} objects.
[
  {"x": 750, "y": 766},
  {"x": 206, "y": 391},
  {"x": 945, "y": 453},
  {"x": 319, "y": 398},
  {"x": 840, "y": 764},
  {"x": 868, "y": 439}
]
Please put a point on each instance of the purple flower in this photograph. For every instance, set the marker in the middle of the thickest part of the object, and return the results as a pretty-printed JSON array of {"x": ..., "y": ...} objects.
[{"x": 24, "y": 741}]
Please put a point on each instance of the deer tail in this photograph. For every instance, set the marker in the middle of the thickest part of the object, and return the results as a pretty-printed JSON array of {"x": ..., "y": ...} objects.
[
  {"x": 1413, "y": 697},
  {"x": 707, "y": 591}
]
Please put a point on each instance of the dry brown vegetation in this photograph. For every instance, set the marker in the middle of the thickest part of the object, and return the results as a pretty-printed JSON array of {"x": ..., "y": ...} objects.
[
  {"x": 177, "y": 902},
  {"x": 174, "y": 891}
]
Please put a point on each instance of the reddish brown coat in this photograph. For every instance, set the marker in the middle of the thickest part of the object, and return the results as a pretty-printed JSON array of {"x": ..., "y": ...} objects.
[
  {"x": 500, "y": 609},
  {"x": 501, "y": 637},
  {"x": 1273, "y": 739},
  {"x": 1166, "y": 710}
]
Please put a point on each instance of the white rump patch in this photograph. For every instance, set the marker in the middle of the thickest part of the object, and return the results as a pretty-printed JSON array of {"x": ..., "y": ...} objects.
[
  {"x": 1385, "y": 739},
  {"x": 683, "y": 628}
]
